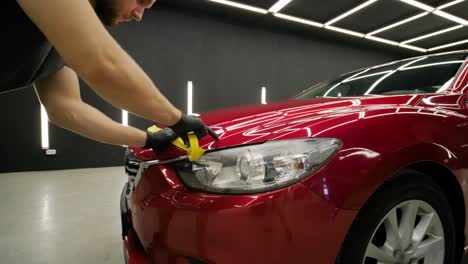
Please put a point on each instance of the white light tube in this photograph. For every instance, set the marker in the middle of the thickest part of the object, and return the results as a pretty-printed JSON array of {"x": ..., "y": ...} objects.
[
  {"x": 398, "y": 23},
  {"x": 419, "y": 5},
  {"x": 264, "y": 95},
  {"x": 44, "y": 128},
  {"x": 432, "y": 34},
  {"x": 242, "y": 6},
  {"x": 386, "y": 41},
  {"x": 450, "y": 4},
  {"x": 451, "y": 17},
  {"x": 449, "y": 45},
  {"x": 412, "y": 47},
  {"x": 345, "y": 31},
  {"x": 279, "y": 5},
  {"x": 189, "y": 98},
  {"x": 299, "y": 20},
  {"x": 350, "y": 12},
  {"x": 124, "y": 118}
]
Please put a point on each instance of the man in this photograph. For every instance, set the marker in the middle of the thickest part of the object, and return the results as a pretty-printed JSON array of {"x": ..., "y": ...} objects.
[{"x": 49, "y": 43}]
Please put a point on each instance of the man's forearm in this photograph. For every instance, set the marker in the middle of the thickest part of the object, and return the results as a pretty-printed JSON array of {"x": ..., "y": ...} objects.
[
  {"x": 119, "y": 80},
  {"x": 87, "y": 121},
  {"x": 90, "y": 50}
]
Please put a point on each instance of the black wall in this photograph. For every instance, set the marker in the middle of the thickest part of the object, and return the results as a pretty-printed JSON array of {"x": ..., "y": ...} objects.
[{"x": 228, "y": 60}]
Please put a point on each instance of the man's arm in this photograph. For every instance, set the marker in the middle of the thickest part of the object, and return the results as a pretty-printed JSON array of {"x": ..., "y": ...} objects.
[
  {"x": 76, "y": 32},
  {"x": 60, "y": 95}
]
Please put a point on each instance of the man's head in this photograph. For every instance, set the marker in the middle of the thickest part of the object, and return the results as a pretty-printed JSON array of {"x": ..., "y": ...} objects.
[{"x": 113, "y": 12}]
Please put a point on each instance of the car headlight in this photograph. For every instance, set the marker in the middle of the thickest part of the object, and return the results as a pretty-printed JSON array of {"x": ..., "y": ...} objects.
[{"x": 257, "y": 168}]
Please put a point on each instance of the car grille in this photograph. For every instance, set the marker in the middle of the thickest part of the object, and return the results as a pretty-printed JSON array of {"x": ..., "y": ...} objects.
[
  {"x": 132, "y": 166},
  {"x": 132, "y": 163}
]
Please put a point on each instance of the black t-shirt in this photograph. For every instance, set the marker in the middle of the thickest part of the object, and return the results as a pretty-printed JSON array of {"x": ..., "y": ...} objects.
[{"x": 25, "y": 53}]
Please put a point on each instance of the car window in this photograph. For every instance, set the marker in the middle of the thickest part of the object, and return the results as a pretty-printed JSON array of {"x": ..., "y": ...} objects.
[{"x": 429, "y": 74}]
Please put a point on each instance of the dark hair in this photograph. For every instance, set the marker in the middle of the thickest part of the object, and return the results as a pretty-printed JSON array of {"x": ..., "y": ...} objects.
[{"x": 107, "y": 11}]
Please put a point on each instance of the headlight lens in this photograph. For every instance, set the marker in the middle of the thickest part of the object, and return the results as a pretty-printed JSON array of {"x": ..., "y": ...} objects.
[{"x": 257, "y": 168}]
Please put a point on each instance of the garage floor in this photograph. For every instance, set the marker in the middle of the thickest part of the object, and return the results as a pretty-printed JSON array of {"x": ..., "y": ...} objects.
[{"x": 62, "y": 217}]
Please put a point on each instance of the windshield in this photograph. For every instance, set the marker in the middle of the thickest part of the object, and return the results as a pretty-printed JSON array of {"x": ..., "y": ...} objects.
[{"x": 430, "y": 74}]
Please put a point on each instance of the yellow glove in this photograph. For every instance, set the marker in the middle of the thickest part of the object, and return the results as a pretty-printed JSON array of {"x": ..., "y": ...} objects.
[{"x": 194, "y": 151}]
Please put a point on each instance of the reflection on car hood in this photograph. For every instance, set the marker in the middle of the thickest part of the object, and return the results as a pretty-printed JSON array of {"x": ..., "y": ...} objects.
[{"x": 285, "y": 120}]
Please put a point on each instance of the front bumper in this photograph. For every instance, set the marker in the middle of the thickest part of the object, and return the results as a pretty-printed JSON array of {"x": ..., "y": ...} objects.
[{"x": 169, "y": 224}]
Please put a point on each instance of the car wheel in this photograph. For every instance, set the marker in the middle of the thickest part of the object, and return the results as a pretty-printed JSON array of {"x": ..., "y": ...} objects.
[{"x": 408, "y": 220}]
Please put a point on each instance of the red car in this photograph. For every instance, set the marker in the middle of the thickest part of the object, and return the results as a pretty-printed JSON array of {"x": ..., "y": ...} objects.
[{"x": 368, "y": 168}]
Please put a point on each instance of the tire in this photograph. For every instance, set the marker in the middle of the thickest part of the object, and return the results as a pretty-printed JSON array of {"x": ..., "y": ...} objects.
[{"x": 399, "y": 196}]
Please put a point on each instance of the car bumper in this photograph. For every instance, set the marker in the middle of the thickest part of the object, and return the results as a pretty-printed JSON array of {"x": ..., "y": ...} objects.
[{"x": 172, "y": 225}]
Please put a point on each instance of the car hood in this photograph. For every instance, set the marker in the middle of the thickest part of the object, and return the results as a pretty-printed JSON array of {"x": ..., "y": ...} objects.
[{"x": 284, "y": 120}]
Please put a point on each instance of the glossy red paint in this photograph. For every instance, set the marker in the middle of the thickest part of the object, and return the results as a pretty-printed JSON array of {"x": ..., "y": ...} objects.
[
  {"x": 134, "y": 253},
  {"x": 174, "y": 222},
  {"x": 307, "y": 221}
]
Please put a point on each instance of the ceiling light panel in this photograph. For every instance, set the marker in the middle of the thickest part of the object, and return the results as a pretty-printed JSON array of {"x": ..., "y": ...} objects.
[
  {"x": 386, "y": 41},
  {"x": 399, "y": 23},
  {"x": 406, "y": 46},
  {"x": 345, "y": 31},
  {"x": 380, "y": 14},
  {"x": 419, "y": 5},
  {"x": 241, "y": 6},
  {"x": 450, "y": 37},
  {"x": 449, "y": 4},
  {"x": 350, "y": 12},
  {"x": 322, "y": 12},
  {"x": 433, "y": 34},
  {"x": 298, "y": 20},
  {"x": 424, "y": 25},
  {"x": 460, "y": 9},
  {"x": 279, "y": 5},
  {"x": 451, "y": 17},
  {"x": 449, "y": 45},
  {"x": 264, "y": 4}
]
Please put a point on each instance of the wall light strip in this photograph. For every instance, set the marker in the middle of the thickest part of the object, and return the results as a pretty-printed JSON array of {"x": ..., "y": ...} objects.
[
  {"x": 124, "y": 118},
  {"x": 432, "y": 34},
  {"x": 299, "y": 20},
  {"x": 398, "y": 23},
  {"x": 189, "y": 98},
  {"x": 451, "y": 17},
  {"x": 279, "y": 5},
  {"x": 345, "y": 31},
  {"x": 406, "y": 46},
  {"x": 264, "y": 95},
  {"x": 449, "y": 45},
  {"x": 242, "y": 6},
  {"x": 44, "y": 128},
  {"x": 450, "y": 4},
  {"x": 350, "y": 12},
  {"x": 386, "y": 41},
  {"x": 419, "y": 5}
]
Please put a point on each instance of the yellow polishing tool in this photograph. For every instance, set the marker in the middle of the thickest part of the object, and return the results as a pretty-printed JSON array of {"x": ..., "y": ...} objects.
[{"x": 194, "y": 151}]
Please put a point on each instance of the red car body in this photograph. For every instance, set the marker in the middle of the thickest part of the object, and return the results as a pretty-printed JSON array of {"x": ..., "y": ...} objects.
[{"x": 307, "y": 221}]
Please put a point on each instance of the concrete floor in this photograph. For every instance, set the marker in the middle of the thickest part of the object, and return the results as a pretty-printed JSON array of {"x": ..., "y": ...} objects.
[{"x": 62, "y": 217}]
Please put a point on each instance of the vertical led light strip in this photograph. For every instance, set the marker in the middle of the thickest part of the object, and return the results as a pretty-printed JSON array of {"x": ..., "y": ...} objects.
[
  {"x": 190, "y": 98},
  {"x": 124, "y": 118},
  {"x": 264, "y": 95},
  {"x": 44, "y": 128}
]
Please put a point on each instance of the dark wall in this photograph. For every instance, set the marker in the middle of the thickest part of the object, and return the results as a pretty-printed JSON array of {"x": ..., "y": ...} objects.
[{"x": 227, "y": 59}]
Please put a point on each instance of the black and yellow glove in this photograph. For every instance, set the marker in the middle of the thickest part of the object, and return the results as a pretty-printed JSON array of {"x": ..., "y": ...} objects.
[
  {"x": 159, "y": 139},
  {"x": 188, "y": 124}
]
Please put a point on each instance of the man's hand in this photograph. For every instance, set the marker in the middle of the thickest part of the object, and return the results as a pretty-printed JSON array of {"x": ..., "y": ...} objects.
[
  {"x": 188, "y": 124},
  {"x": 159, "y": 139}
]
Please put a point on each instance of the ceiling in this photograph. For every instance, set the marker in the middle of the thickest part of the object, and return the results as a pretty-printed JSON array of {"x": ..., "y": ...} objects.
[{"x": 423, "y": 26}]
